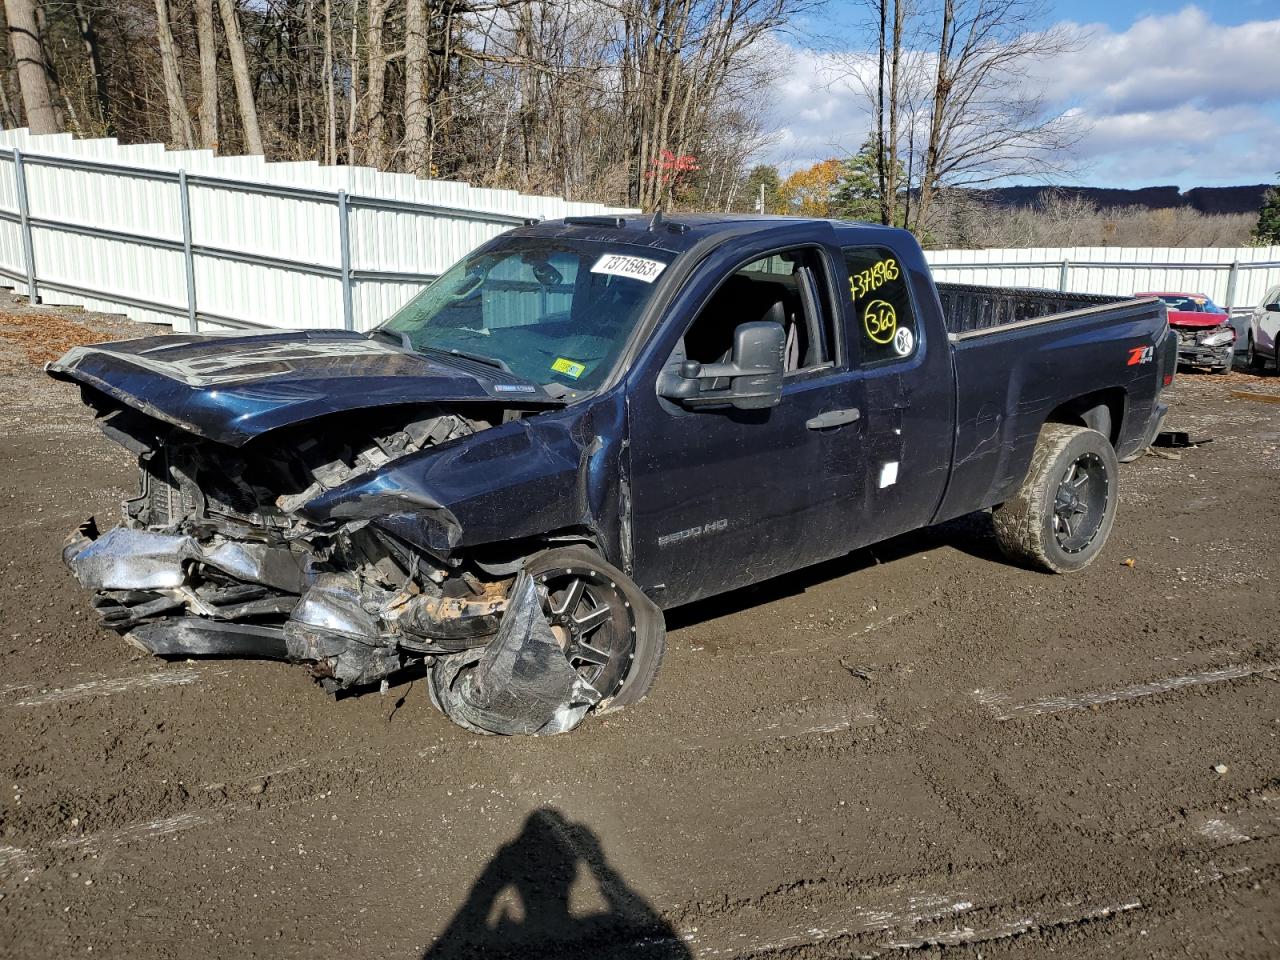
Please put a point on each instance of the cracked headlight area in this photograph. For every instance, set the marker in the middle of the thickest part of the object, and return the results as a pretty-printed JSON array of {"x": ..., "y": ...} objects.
[{"x": 1217, "y": 338}]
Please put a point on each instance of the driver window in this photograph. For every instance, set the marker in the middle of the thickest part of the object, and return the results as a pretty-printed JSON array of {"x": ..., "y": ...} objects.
[{"x": 786, "y": 288}]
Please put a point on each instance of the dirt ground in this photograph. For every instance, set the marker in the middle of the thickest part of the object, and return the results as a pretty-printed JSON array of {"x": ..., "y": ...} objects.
[{"x": 917, "y": 748}]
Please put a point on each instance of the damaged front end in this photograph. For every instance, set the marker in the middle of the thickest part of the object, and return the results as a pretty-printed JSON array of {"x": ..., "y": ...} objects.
[{"x": 223, "y": 552}]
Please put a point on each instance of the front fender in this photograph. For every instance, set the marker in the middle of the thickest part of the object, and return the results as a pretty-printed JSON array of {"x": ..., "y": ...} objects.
[{"x": 519, "y": 480}]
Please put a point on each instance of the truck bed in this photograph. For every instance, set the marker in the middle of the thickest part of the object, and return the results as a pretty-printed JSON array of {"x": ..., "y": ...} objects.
[
  {"x": 968, "y": 307},
  {"x": 1020, "y": 355}
]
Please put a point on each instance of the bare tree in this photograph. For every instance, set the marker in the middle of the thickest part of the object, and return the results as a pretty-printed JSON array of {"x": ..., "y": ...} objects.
[
  {"x": 376, "y": 152},
  {"x": 953, "y": 101},
  {"x": 206, "y": 42},
  {"x": 353, "y": 86},
  {"x": 653, "y": 102},
  {"x": 32, "y": 67},
  {"x": 416, "y": 107},
  {"x": 974, "y": 219},
  {"x": 180, "y": 132},
  {"x": 93, "y": 58},
  {"x": 240, "y": 74},
  {"x": 985, "y": 121},
  {"x": 330, "y": 100}
]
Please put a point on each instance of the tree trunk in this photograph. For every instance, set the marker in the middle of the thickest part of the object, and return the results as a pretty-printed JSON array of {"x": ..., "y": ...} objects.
[
  {"x": 376, "y": 146},
  {"x": 93, "y": 52},
  {"x": 240, "y": 73},
  {"x": 353, "y": 96},
  {"x": 882, "y": 153},
  {"x": 33, "y": 70},
  {"x": 416, "y": 107},
  {"x": 180, "y": 132},
  {"x": 890, "y": 186},
  {"x": 330, "y": 101},
  {"x": 934, "y": 149},
  {"x": 207, "y": 42}
]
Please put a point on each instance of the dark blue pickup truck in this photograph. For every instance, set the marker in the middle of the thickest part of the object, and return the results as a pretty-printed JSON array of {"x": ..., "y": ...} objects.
[{"x": 583, "y": 423}]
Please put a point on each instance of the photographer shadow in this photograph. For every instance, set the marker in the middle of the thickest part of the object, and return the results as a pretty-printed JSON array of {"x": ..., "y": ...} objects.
[{"x": 521, "y": 904}]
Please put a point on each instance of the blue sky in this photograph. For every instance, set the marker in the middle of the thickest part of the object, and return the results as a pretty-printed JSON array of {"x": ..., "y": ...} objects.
[{"x": 1185, "y": 94}]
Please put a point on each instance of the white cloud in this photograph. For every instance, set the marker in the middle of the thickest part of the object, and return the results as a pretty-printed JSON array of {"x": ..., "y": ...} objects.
[
  {"x": 1162, "y": 61},
  {"x": 1174, "y": 98}
]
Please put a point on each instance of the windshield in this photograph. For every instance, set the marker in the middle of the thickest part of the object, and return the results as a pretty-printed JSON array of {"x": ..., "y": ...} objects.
[
  {"x": 550, "y": 310},
  {"x": 1189, "y": 304}
]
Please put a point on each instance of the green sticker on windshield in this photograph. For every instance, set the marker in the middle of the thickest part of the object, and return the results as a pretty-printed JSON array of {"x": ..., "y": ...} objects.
[{"x": 570, "y": 368}]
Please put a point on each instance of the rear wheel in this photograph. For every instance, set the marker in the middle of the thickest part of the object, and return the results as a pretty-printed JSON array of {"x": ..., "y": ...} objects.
[{"x": 1062, "y": 514}]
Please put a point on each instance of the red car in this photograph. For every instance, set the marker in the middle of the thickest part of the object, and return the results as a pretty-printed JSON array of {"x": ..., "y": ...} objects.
[{"x": 1205, "y": 337}]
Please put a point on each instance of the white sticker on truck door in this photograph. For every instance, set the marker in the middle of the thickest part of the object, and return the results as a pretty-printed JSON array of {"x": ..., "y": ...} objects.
[{"x": 637, "y": 268}]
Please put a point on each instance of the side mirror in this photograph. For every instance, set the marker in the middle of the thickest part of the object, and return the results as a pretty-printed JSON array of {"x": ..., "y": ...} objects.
[
  {"x": 1272, "y": 307},
  {"x": 754, "y": 373}
]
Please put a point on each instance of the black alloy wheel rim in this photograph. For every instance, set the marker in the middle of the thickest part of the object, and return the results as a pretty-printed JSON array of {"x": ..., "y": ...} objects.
[
  {"x": 593, "y": 622},
  {"x": 1080, "y": 504}
]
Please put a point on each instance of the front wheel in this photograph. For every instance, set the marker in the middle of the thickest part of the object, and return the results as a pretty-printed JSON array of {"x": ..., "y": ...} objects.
[
  {"x": 1062, "y": 514},
  {"x": 611, "y": 633}
]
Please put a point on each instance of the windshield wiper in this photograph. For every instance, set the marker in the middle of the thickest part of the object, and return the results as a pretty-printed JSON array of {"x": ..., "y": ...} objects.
[
  {"x": 395, "y": 336},
  {"x": 477, "y": 357},
  {"x": 402, "y": 340}
]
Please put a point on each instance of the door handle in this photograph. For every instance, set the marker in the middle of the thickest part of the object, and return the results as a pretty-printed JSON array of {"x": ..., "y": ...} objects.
[{"x": 833, "y": 418}]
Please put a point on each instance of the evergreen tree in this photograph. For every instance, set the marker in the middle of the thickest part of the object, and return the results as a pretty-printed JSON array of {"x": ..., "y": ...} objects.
[
  {"x": 764, "y": 175},
  {"x": 1268, "y": 228},
  {"x": 857, "y": 190}
]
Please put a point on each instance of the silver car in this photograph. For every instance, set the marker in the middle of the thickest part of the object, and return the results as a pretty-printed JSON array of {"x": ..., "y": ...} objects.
[{"x": 1264, "y": 331}]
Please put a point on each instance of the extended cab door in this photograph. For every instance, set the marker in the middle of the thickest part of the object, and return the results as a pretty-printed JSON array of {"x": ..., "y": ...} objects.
[
  {"x": 724, "y": 497},
  {"x": 899, "y": 348}
]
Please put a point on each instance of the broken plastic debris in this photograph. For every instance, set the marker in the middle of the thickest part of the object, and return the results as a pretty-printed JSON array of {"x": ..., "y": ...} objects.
[{"x": 520, "y": 683}]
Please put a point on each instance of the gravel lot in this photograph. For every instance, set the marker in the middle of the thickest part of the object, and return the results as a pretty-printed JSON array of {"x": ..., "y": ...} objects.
[{"x": 916, "y": 748}]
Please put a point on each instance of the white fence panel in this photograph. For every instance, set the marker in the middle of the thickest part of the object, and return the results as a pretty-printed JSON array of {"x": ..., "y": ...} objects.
[
  {"x": 1235, "y": 278},
  {"x": 198, "y": 241}
]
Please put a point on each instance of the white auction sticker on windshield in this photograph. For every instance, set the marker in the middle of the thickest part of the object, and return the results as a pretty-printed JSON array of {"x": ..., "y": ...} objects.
[{"x": 637, "y": 268}]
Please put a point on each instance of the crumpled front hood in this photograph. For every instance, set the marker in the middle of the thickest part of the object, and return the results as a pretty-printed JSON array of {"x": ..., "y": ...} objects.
[
  {"x": 1191, "y": 320},
  {"x": 233, "y": 388}
]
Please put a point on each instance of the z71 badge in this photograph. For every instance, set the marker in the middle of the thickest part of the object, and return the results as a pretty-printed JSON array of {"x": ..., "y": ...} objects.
[{"x": 1141, "y": 355}]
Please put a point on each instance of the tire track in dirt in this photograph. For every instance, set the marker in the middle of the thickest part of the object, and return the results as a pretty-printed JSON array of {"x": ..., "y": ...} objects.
[
  {"x": 799, "y": 735},
  {"x": 1003, "y": 710}
]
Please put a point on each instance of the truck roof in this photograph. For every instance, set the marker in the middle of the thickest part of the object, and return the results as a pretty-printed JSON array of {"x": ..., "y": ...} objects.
[{"x": 675, "y": 233}]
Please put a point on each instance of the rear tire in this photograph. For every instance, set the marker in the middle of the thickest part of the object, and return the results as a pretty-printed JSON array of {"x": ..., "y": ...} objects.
[{"x": 1062, "y": 514}]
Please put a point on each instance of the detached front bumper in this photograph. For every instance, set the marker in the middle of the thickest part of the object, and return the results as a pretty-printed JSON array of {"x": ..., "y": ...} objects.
[
  {"x": 1194, "y": 354},
  {"x": 497, "y": 666}
]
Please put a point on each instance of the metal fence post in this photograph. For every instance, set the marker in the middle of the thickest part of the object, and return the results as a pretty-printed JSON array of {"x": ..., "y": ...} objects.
[
  {"x": 188, "y": 259},
  {"x": 1063, "y": 271},
  {"x": 24, "y": 218},
  {"x": 344, "y": 245},
  {"x": 1232, "y": 277}
]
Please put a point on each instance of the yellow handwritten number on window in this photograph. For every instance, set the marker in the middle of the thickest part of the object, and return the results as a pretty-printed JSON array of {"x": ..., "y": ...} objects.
[
  {"x": 880, "y": 321},
  {"x": 873, "y": 278}
]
